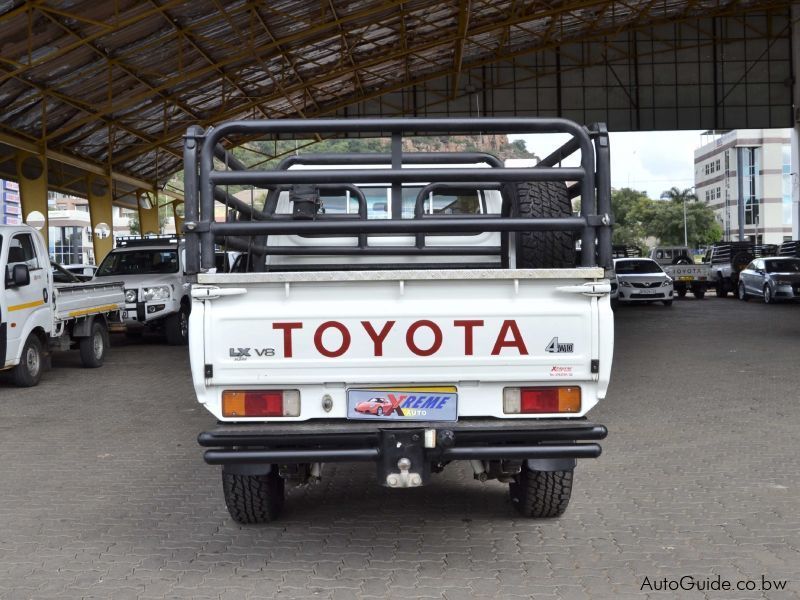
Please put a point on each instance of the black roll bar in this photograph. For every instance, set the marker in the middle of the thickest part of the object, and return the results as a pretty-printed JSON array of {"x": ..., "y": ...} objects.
[{"x": 591, "y": 181}]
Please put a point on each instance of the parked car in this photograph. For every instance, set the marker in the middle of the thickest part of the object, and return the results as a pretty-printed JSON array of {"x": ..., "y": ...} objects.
[
  {"x": 773, "y": 279},
  {"x": 375, "y": 406},
  {"x": 727, "y": 259},
  {"x": 642, "y": 280}
]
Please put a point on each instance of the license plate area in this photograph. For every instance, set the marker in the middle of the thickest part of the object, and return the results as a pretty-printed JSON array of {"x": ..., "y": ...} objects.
[
  {"x": 429, "y": 403},
  {"x": 685, "y": 278}
]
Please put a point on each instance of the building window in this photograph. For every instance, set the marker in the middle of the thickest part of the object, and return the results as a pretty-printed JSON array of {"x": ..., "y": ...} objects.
[
  {"x": 786, "y": 184},
  {"x": 717, "y": 165},
  {"x": 67, "y": 244},
  {"x": 751, "y": 157}
]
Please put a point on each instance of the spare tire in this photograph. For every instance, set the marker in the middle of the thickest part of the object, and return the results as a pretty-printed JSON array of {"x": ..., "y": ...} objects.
[
  {"x": 683, "y": 259},
  {"x": 545, "y": 249}
]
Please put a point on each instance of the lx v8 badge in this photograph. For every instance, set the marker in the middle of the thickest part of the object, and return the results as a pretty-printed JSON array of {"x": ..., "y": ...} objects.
[
  {"x": 244, "y": 353},
  {"x": 557, "y": 348}
]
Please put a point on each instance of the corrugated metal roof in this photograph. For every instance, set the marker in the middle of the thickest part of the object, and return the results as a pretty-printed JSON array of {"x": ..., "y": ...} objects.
[{"x": 117, "y": 83}]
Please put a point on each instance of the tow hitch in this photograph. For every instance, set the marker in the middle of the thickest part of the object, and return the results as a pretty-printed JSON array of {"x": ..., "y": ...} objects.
[{"x": 402, "y": 463}]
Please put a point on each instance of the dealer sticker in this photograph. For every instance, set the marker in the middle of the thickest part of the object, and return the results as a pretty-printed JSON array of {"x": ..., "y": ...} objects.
[{"x": 403, "y": 404}]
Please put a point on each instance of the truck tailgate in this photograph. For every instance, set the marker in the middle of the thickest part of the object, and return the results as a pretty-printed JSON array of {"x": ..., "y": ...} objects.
[
  {"x": 81, "y": 299},
  {"x": 401, "y": 327}
]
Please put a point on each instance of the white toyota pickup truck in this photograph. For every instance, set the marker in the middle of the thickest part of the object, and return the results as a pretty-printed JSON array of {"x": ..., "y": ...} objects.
[
  {"x": 38, "y": 315},
  {"x": 403, "y": 309}
]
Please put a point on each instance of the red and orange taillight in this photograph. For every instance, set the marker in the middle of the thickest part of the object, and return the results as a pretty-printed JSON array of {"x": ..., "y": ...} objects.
[
  {"x": 542, "y": 400},
  {"x": 261, "y": 403}
]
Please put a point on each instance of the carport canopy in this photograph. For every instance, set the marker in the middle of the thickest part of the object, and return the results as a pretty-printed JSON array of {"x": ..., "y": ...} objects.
[{"x": 110, "y": 87}]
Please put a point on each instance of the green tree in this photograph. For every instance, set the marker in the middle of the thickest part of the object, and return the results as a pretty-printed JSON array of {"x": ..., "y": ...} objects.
[
  {"x": 679, "y": 196},
  {"x": 666, "y": 222},
  {"x": 630, "y": 208}
]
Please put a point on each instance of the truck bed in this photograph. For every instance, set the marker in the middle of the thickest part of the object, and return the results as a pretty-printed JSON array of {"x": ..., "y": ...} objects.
[{"x": 74, "y": 300}]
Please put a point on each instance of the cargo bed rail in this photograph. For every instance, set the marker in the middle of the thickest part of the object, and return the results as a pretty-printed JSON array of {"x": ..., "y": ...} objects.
[{"x": 248, "y": 228}]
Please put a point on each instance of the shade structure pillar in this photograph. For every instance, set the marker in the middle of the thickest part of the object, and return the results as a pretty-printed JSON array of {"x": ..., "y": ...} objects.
[
  {"x": 32, "y": 177},
  {"x": 101, "y": 215},
  {"x": 148, "y": 215}
]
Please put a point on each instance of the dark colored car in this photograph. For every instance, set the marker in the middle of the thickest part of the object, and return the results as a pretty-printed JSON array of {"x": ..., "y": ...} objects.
[
  {"x": 773, "y": 279},
  {"x": 375, "y": 406}
]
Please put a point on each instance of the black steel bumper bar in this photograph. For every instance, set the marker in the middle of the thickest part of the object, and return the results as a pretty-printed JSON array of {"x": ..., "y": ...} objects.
[
  {"x": 237, "y": 457},
  {"x": 356, "y": 442}
]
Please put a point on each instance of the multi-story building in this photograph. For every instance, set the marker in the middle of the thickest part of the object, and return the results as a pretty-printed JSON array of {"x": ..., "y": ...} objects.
[{"x": 745, "y": 176}]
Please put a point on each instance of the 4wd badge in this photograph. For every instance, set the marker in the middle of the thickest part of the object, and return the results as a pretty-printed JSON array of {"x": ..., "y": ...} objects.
[{"x": 556, "y": 348}]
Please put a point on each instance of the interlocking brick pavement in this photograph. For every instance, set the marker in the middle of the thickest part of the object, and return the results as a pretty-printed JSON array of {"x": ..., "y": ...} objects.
[{"x": 104, "y": 494}]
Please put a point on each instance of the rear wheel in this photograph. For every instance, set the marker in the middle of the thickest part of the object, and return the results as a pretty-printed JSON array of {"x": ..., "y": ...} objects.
[
  {"x": 681, "y": 291},
  {"x": 544, "y": 249},
  {"x": 667, "y": 302},
  {"x": 721, "y": 290},
  {"x": 541, "y": 494},
  {"x": 29, "y": 370},
  {"x": 93, "y": 348},
  {"x": 699, "y": 292},
  {"x": 253, "y": 499}
]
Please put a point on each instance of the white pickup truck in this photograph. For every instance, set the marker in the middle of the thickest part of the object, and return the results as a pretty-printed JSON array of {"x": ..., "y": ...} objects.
[
  {"x": 677, "y": 262},
  {"x": 38, "y": 316},
  {"x": 408, "y": 310}
]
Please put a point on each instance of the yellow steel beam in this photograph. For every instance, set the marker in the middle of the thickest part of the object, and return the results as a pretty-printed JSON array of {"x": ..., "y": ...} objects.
[
  {"x": 73, "y": 161},
  {"x": 246, "y": 54},
  {"x": 277, "y": 83},
  {"x": 464, "y": 9},
  {"x": 33, "y": 187},
  {"x": 596, "y": 34},
  {"x": 44, "y": 92},
  {"x": 62, "y": 50},
  {"x": 74, "y": 16},
  {"x": 117, "y": 63},
  {"x": 347, "y": 50},
  {"x": 98, "y": 192},
  {"x": 189, "y": 38}
]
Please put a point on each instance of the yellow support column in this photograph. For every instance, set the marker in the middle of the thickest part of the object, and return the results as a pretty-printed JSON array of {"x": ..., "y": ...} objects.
[
  {"x": 178, "y": 218},
  {"x": 32, "y": 176},
  {"x": 101, "y": 215},
  {"x": 148, "y": 214}
]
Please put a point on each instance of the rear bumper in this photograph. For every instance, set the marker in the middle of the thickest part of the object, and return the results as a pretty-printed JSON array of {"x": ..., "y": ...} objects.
[{"x": 337, "y": 441}]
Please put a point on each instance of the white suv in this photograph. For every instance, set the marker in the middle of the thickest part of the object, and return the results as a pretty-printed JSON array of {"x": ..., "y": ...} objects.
[
  {"x": 642, "y": 280},
  {"x": 156, "y": 289}
]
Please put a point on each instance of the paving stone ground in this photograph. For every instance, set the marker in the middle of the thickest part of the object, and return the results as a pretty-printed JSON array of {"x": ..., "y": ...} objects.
[{"x": 104, "y": 494}]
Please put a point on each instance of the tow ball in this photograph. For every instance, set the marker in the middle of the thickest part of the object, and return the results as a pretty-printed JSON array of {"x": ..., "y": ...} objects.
[{"x": 403, "y": 463}]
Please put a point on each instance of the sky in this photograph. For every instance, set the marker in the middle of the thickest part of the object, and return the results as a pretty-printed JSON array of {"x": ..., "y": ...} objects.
[{"x": 650, "y": 161}]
